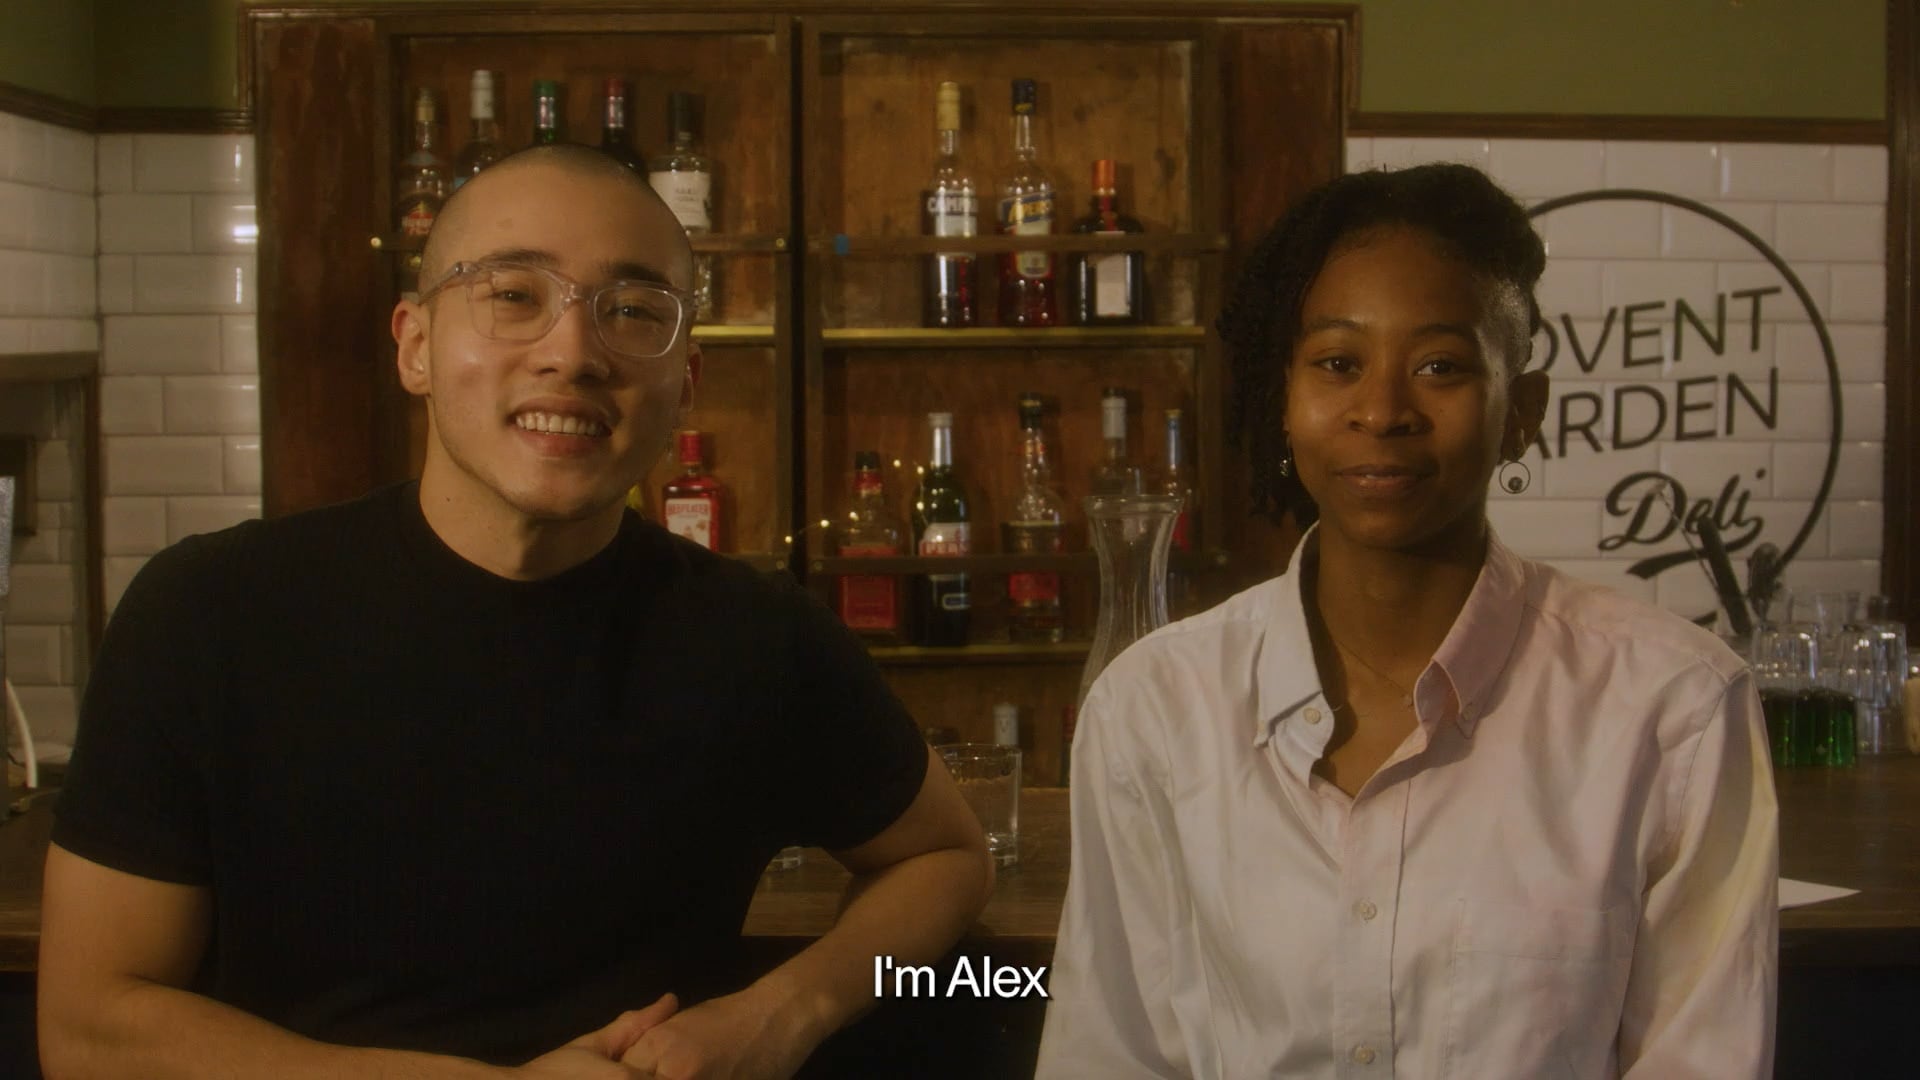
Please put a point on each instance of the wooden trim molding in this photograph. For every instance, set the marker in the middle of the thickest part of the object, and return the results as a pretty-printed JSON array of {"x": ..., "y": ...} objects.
[
  {"x": 34, "y": 105},
  {"x": 1901, "y": 519},
  {"x": 155, "y": 121},
  {"x": 1609, "y": 126},
  {"x": 46, "y": 108}
]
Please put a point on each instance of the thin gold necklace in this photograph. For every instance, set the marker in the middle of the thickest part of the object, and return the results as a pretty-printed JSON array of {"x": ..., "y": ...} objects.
[{"x": 1406, "y": 696}]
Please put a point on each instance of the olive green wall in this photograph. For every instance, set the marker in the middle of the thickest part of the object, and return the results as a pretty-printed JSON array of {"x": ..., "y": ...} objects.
[
  {"x": 1804, "y": 58},
  {"x": 48, "y": 46}
]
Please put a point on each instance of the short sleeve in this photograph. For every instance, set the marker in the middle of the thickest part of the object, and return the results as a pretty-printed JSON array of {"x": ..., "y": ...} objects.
[
  {"x": 135, "y": 795},
  {"x": 854, "y": 758}
]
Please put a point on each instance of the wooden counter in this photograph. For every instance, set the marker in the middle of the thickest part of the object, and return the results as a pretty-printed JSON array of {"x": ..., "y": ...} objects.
[{"x": 1855, "y": 827}]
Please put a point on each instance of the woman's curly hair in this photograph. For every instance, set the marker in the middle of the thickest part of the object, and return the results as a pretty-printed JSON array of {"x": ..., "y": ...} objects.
[{"x": 1471, "y": 218}]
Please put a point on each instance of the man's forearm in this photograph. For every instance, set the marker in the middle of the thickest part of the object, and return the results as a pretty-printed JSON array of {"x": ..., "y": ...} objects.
[
  {"x": 913, "y": 911},
  {"x": 150, "y": 1030}
]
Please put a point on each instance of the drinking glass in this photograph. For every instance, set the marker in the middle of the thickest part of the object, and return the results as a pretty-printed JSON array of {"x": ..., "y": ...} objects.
[
  {"x": 1786, "y": 665},
  {"x": 1872, "y": 671},
  {"x": 989, "y": 778}
]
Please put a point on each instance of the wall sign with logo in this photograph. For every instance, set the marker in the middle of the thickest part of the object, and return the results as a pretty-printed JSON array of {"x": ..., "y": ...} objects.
[{"x": 1662, "y": 371}]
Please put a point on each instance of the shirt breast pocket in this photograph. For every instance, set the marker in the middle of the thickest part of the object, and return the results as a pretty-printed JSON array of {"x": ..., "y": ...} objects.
[{"x": 1535, "y": 991}]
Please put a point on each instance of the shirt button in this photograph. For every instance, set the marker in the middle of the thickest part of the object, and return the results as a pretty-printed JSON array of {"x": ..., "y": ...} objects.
[
  {"x": 1365, "y": 910},
  {"x": 1313, "y": 716},
  {"x": 1363, "y": 1055}
]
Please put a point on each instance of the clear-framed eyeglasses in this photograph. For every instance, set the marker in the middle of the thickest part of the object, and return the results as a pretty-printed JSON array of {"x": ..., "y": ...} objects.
[{"x": 518, "y": 302}]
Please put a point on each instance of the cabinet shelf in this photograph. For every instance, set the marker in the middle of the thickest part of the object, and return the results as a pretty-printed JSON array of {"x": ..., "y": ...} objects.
[
  {"x": 1156, "y": 243},
  {"x": 1008, "y": 337},
  {"x": 1081, "y": 562},
  {"x": 709, "y": 244},
  {"x": 727, "y": 334},
  {"x": 998, "y": 652},
  {"x": 1071, "y": 562},
  {"x": 761, "y": 560}
]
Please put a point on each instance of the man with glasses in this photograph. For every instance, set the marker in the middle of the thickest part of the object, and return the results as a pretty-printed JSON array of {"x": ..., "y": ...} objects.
[{"x": 442, "y": 781}]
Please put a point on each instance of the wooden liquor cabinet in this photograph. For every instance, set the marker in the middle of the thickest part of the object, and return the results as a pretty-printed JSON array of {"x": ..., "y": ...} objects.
[{"x": 819, "y": 121}]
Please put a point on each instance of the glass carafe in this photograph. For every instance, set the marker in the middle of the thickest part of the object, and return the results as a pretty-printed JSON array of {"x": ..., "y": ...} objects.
[{"x": 1131, "y": 534}]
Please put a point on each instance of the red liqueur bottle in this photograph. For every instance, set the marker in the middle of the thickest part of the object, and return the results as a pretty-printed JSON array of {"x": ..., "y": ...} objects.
[
  {"x": 693, "y": 504},
  {"x": 870, "y": 603}
]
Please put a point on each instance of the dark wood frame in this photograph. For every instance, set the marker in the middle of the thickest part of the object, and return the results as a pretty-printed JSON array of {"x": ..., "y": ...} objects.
[
  {"x": 1901, "y": 579},
  {"x": 1621, "y": 126}
]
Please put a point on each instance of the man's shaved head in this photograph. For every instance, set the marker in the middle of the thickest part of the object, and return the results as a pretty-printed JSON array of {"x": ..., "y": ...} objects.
[{"x": 443, "y": 241}]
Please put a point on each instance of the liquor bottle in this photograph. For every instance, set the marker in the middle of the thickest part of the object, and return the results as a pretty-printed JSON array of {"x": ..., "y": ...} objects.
[
  {"x": 422, "y": 183},
  {"x": 1006, "y": 724},
  {"x": 952, "y": 209},
  {"x": 870, "y": 603},
  {"x": 1107, "y": 288},
  {"x": 483, "y": 142},
  {"x": 1116, "y": 473},
  {"x": 1035, "y": 524},
  {"x": 684, "y": 179},
  {"x": 694, "y": 503},
  {"x": 546, "y": 112},
  {"x": 613, "y": 126},
  {"x": 1026, "y": 209},
  {"x": 942, "y": 601},
  {"x": 1176, "y": 479}
]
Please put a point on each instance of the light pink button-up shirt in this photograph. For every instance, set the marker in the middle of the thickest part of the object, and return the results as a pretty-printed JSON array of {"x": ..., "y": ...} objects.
[{"x": 1567, "y": 870}]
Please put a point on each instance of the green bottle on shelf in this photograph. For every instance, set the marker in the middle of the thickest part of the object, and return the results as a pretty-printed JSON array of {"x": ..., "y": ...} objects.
[
  {"x": 546, "y": 112},
  {"x": 942, "y": 602}
]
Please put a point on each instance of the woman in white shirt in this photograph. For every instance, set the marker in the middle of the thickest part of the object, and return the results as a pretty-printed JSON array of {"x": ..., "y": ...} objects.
[{"x": 1418, "y": 807}]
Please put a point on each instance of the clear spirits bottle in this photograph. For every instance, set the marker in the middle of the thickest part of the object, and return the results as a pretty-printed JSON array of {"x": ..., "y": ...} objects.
[
  {"x": 952, "y": 208},
  {"x": 422, "y": 183},
  {"x": 683, "y": 177},
  {"x": 1027, "y": 295},
  {"x": 1116, "y": 473},
  {"x": 1175, "y": 478},
  {"x": 1036, "y": 522},
  {"x": 483, "y": 141}
]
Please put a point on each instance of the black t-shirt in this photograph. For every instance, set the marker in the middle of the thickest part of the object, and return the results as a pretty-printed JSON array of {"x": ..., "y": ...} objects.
[{"x": 442, "y": 810}]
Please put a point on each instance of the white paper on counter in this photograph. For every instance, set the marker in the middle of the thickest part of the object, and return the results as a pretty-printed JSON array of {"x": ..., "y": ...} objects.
[{"x": 1801, "y": 893}]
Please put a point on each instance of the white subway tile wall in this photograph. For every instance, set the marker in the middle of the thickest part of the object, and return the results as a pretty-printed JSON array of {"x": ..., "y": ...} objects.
[
  {"x": 48, "y": 303},
  {"x": 177, "y": 245},
  {"x": 1736, "y": 409}
]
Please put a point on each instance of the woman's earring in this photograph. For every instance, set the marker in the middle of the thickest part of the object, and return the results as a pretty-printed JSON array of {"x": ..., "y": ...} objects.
[
  {"x": 1286, "y": 459},
  {"x": 1515, "y": 482}
]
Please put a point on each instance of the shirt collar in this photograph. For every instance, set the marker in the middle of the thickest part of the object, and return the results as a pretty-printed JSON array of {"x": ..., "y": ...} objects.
[
  {"x": 1471, "y": 656},
  {"x": 1285, "y": 672},
  {"x": 1475, "y": 651}
]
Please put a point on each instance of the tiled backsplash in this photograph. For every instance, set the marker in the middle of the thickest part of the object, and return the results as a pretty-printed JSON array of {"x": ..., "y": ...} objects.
[
  {"x": 180, "y": 401},
  {"x": 140, "y": 246},
  {"x": 47, "y": 251},
  {"x": 1822, "y": 210}
]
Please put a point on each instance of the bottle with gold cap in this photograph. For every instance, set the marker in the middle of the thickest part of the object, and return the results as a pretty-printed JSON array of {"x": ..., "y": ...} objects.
[
  {"x": 1109, "y": 288},
  {"x": 423, "y": 173},
  {"x": 951, "y": 207}
]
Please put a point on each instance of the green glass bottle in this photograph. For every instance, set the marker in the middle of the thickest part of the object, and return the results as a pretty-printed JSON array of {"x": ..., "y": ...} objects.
[
  {"x": 942, "y": 602},
  {"x": 546, "y": 112}
]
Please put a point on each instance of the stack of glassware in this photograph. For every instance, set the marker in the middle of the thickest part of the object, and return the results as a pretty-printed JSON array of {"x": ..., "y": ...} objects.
[{"x": 1831, "y": 679}]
